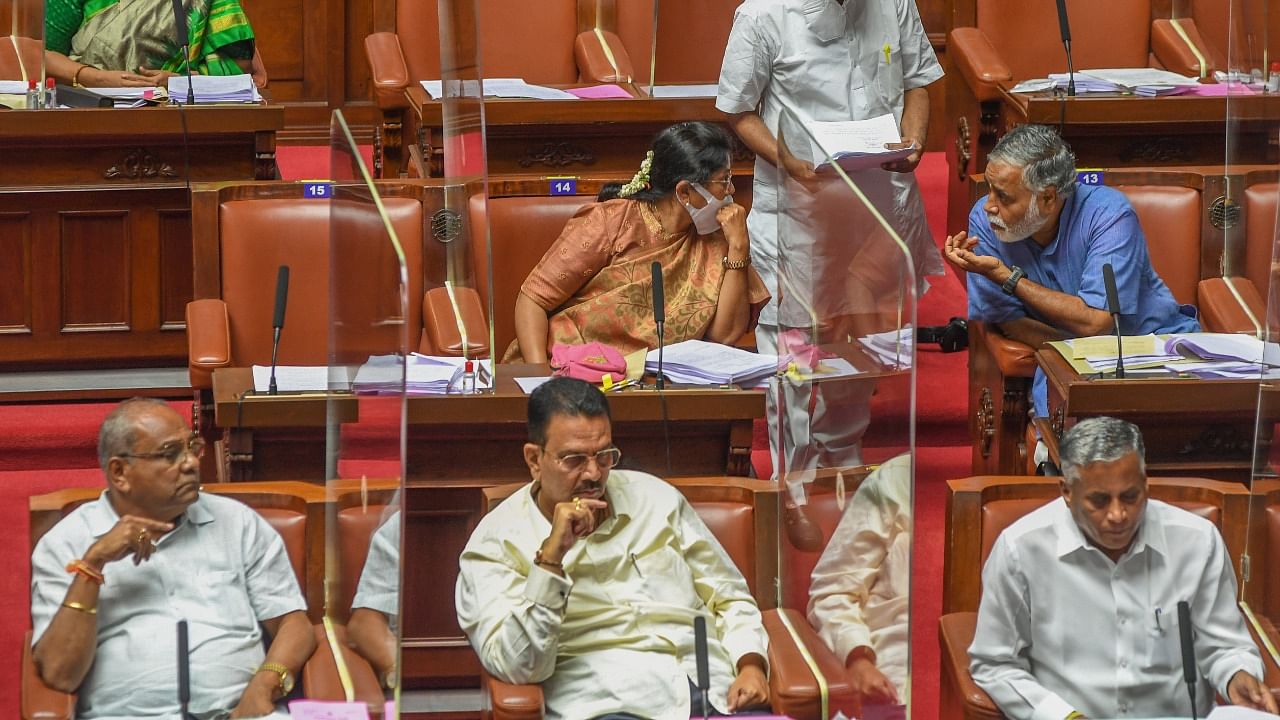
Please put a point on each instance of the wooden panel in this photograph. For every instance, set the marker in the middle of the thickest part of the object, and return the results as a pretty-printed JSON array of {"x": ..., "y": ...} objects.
[
  {"x": 279, "y": 28},
  {"x": 174, "y": 271},
  {"x": 94, "y": 252},
  {"x": 15, "y": 273}
]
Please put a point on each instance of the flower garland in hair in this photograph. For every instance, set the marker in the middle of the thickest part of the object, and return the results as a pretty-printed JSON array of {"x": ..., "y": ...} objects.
[{"x": 640, "y": 180}]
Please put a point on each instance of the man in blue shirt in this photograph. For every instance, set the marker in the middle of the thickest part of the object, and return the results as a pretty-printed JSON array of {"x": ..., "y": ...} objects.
[{"x": 1036, "y": 246}]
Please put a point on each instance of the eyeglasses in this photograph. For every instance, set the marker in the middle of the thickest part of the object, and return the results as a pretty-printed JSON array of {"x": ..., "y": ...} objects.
[
  {"x": 605, "y": 459},
  {"x": 726, "y": 182},
  {"x": 172, "y": 453}
]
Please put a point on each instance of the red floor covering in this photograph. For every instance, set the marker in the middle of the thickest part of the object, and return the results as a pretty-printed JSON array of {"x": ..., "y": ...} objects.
[{"x": 46, "y": 447}]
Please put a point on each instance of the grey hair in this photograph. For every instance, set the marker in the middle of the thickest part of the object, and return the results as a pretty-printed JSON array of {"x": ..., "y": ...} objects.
[
  {"x": 1100, "y": 439},
  {"x": 1045, "y": 158},
  {"x": 119, "y": 432}
]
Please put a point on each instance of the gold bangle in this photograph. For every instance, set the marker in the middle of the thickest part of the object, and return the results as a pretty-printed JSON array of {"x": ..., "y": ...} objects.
[
  {"x": 75, "y": 79},
  {"x": 80, "y": 607},
  {"x": 736, "y": 264},
  {"x": 539, "y": 560}
]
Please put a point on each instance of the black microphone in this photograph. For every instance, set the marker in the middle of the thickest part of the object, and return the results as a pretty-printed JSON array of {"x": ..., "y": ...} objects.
[
  {"x": 282, "y": 298},
  {"x": 184, "y": 669},
  {"x": 659, "y": 313},
  {"x": 184, "y": 42},
  {"x": 1113, "y": 307},
  {"x": 1065, "y": 28},
  {"x": 1188, "y": 652},
  {"x": 700, "y": 655}
]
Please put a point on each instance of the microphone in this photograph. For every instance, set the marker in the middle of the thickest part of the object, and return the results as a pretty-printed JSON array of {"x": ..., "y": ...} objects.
[
  {"x": 700, "y": 654},
  {"x": 184, "y": 669},
  {"x": 1065, "y": 28},
  {"x": 1113, "y": 307},
  {"x": 184, "y": 42},
  {"x": 1188, "y": 652},
  {"x": 659, "y": 313},
  {"x": 282, "y": 298}
]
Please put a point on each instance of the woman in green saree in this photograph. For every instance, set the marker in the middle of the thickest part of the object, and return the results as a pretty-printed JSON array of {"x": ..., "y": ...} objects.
[{"x": 113, "y": 43}]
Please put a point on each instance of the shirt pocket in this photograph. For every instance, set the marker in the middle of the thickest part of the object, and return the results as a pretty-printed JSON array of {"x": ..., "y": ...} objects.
[
  {"x": 1164, "y": 645},
  {"x": 226, "y": 602},
  {"x": 666, "y": 578},
  {"x": 888, "y": 88}
]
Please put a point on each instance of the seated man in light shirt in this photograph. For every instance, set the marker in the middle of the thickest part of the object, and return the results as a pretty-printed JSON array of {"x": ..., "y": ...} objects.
[
  {"x": 1079, "y": 598},
  {"x": 589, "y": 581},
  {"x": 375, "y": 609},
  {"x": 111, "y": 580}
]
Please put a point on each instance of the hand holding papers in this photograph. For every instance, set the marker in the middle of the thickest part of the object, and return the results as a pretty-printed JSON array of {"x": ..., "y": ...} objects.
[{"x": 857, "y": 144}]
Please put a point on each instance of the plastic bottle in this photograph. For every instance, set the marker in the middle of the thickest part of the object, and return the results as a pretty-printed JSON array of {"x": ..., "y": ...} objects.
[
  {"x": 50, "y": 94},
  {"x": 33, "y": 95},
  {"x": 469, "y": 378},
  {"x": 1273, "y": 79}
]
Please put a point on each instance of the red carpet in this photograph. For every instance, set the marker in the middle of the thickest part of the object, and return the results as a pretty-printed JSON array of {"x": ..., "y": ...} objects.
[{"x": 46, "y": 447}]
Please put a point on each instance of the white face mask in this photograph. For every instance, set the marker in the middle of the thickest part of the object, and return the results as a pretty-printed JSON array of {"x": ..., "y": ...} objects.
[{"x": 704, "y": 218}]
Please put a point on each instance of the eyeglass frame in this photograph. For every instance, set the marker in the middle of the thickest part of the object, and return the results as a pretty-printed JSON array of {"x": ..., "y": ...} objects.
[
  {"x": 728, "y": 183},
  {"x": 580, "y": 465},
  {"x": 195, "y": 446}
]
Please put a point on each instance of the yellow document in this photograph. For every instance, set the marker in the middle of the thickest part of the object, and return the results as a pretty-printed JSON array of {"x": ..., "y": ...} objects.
[{"x": 1104, "y": 346}]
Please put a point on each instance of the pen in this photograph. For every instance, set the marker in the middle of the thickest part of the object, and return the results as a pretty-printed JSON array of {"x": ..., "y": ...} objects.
[
  {"x": 1158, "y": 619},
  {"x": 636, "y": 565},
  {"x": 887, "y": 51}
]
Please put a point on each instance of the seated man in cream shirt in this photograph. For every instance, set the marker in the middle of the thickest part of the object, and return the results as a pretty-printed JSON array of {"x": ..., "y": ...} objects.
[{"x": 588, "y": 582}]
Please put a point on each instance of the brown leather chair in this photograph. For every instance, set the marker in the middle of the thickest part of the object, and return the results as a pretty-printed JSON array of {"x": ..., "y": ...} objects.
[
  {"x": 1001, "y": 369},
  {"x": 411, "y": 53},
  {"x": 289, "y": 507},
  {"x": 678, "y": 61},
  {"x": 743, "y": 515},
  {"x": 979, "y": 508},
  {"x": 20, "y": 53}
]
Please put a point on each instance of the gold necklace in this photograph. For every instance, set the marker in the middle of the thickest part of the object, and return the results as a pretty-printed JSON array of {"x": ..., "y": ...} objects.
[{"x": 652, "y": 210}]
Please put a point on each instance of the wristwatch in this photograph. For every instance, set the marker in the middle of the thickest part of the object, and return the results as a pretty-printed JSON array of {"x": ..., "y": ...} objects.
[
  {"x": 736, "y": 264},
  {"x": 1012, "y": 283},
  {"x": 286, "y": 678}
]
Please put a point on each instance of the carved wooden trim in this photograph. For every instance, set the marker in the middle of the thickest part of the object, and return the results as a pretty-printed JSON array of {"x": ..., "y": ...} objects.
[
  {"x": 1157, "y": 150},
  {"x": 964, "y": 151},
  {"x": 986, "y": 422},
  {"x": 557, "y": 154},
  {"x": 139, "y": 164}
]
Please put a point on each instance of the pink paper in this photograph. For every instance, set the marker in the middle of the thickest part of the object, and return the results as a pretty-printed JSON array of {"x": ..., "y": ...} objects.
[
  {"x": 599, "y": 92},
  {"x": 321, "y": 710},
  {"x": 1222, "y": 90}
]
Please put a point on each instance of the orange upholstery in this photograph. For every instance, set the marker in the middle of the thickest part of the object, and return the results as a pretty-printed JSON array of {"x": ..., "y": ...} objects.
[
  {"x": 733, "y": 525},
  {"x": 1175, "y": 53},
  {"x": 678, "y": 61},
  {"x": 356, "y": 526},
  {"x": 521, "y": 229},
  {"x": 1027, "y": 34},
  {"x": 1170, "y": 219},
  {"x": 1260, "y": 203},
  {"x": 1271, "y": 606},
  {"x": 27, "y": 55}
]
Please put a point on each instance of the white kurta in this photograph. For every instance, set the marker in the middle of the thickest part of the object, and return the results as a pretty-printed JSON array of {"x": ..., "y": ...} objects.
[
  {"x": 826, "y": 61},
  {"x": 616, "y": 634},
  {"x": 1061, "y": 627}
]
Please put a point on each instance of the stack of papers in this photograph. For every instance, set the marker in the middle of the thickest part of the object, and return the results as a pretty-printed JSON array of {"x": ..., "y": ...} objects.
[
  {"x": 698, "y": 362},
  {"x": 214, "y": 89},
  {"x": 684, "y": 91},
  {"x": 423, "y": 375},
  {"x": 301, "y": 378},
  {"x": 856, "y": 144},
  {"x": 1204, "y": 355},
  {"x": 1141, "y": 81},
  {"x": 494, "y": 87},
  {"x": 892, "y": 349}
]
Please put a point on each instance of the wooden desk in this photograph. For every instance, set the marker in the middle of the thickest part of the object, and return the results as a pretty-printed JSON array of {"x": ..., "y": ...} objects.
[
  {"x": 480, "y": 437},
  {"x": 1193, "y": 427},
  {"x": 562, "y": 136},
  {"x": 95, "y": 227}
]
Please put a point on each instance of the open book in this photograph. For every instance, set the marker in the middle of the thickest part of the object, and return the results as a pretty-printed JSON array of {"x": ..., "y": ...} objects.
[{"x": 856, "y": 144}]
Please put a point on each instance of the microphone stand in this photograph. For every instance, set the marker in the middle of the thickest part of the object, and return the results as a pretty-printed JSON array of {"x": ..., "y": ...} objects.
[
  {"x": 275, "y": 348},
  {"x": 191, "y": 91},
  {"x": 1115, "y": 318},
  {"x": 1071, "y": 70}
]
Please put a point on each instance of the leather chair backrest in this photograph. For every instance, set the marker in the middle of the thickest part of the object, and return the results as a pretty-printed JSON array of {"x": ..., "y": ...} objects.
[
  {"x": 521, "y": 229},
  {"x": 1271, "y": 590},
  {"x": 257, "y": 236},
  {"x": 518, "y": 38},
  {"x": 1000, "y": 514},
  {"x": 292, "y": 526},
  {"x": 1105, "y": 34},
  {"x": 1170, "y": 218},
  {"x": 798, "y": 564},
  {"x": 733, "y": 524},
  {"x": 679, "y": 60},
  {"x": 1260, "y": 205},
  {"x": 356, "y": 526},
  {"x": 26, "y": 56}
]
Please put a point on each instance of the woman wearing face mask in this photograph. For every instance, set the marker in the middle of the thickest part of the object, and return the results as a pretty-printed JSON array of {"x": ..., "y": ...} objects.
[{"x": 595, "y": 284}]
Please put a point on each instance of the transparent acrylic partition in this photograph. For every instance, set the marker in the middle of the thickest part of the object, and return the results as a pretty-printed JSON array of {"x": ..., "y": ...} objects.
[
  {"x": 458, "y": 263},
  {"x": 22, "y": 52},
  {"x": 1252, "y": 34},
  {"x": 375, "y": 266},
  {"x": 842, "y": 408}
]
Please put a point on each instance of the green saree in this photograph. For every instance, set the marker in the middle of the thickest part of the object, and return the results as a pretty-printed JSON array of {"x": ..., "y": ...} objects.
[{"x": 129, "y": 34}]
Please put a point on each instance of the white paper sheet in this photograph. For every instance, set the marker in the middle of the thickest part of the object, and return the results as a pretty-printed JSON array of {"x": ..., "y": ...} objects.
[{"x": 684, "y": 91}]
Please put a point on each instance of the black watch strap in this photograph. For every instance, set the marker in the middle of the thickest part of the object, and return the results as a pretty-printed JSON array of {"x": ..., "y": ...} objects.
[{"x": 1012, "y": 283}]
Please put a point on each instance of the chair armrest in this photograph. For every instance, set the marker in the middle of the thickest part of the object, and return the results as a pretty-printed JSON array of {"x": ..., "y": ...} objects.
[
  {"x": 1230, "y": 305},
  {"x": 440, "y": 323},
  {"x": 1044, "y": 428},
  {"x": 389, "y": 71},
  {"x": 601, "y": 58},
  {"x": 1014, "y": 359},
  {"x": 208, "y": 340},
  {"x": 1175, "y": 53},
  {"x": 511, "y": 702},
  {"x": 39, "y": 701},
  {"x": 793, "y": 689},
  {"x": 320, "y": 679},
  {"x": 979, "y": 62},
  {"x": 955, "y": 635}
]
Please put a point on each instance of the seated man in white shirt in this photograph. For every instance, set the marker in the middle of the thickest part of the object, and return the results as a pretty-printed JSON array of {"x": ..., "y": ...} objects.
[
  {"x": 110, "y": 581},
  {"x": 589, "y": 581},
  {"x": 1078, "y": 615},
  {"x": 375, "y": 609}
]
